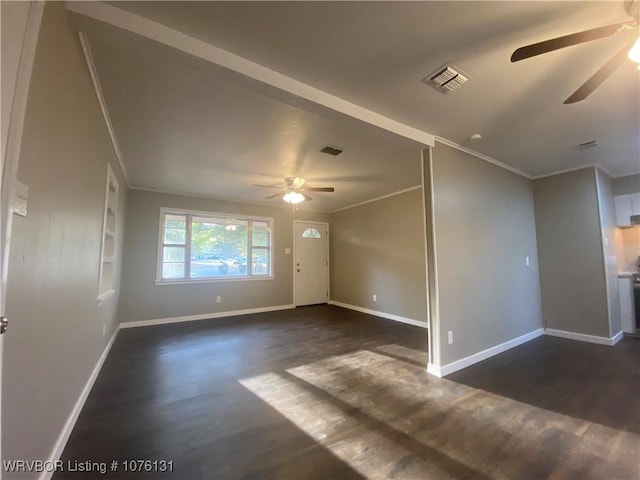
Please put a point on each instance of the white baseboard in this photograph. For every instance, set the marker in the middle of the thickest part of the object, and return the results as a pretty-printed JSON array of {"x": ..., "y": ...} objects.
[
  {"x": 389, "y": 316},
  {"x": 204, "y": 316},
  {"x": 434, "y": 370},
  {"x": 58, "y": 448},
  {"x": 583, "y": 337},
  {"x": 443, "y": 371},
  {"x": 617, "y": 337}
]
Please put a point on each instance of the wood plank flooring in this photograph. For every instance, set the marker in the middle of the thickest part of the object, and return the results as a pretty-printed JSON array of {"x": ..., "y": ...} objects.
[{"x": 327, "y": 393}]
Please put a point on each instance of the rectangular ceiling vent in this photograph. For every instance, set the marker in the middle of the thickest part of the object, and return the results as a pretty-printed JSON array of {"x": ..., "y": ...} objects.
[
  {"x": 446, "y": 78},
  {"x": 331, "y": 151},
  {"x": 590, "y": 144}
]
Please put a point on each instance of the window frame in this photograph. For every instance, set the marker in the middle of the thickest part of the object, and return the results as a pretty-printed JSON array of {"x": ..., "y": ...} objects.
[{"x": 187, "y": 246}]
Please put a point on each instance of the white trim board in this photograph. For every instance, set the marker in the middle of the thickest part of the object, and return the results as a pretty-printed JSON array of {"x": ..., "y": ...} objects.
[
  {"x": 583, "y": 337},
  {"x": 388, "y": 316},
  {"x": 204, "y": 316},
  {"x": 60, "y": 444},
  {"x": 443, "y": 371}
]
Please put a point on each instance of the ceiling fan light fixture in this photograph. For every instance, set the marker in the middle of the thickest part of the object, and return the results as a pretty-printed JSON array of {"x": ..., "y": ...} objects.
[
  {"x": 634, "y": 53},
  {"x": 293, "y": 197}
]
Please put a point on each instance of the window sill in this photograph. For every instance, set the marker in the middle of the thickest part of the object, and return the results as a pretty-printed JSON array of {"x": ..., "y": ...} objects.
[{"x": 212, "y": 280}]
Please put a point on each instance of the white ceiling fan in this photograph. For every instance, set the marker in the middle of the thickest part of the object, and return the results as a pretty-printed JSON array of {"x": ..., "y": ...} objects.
[{"x": 295, "y": 190}]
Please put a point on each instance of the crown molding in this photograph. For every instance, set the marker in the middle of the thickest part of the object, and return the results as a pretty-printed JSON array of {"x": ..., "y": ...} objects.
[{"x": 484, "y": 157}]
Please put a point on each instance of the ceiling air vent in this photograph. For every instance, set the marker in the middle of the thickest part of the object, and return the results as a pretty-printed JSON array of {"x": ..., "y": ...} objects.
[
  {"x": 585, "y": 145},
  {"x": 446, "y": 78},
  {"x": 331, "y": 150}
]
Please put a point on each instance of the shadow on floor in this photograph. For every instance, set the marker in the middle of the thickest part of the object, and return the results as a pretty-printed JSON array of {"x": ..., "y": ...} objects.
[{"x": 596, "y": 383}]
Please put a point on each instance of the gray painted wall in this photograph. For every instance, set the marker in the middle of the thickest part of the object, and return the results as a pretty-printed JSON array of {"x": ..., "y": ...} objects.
[
  {"x": 55, "y": 338},
  {"x": 484, "y": 229},
  {"x": 607, "y": 210},
  {"x": 572, "y": 278},
  {"x": 143, "y": 300},
  {"x": 378, "y": 248},
  {"x": 626, "y": 185}
]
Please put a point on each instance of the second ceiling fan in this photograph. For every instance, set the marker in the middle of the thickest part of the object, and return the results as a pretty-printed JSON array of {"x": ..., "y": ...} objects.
[
  {"x": 295, "y": 190},
  {"x": 632, "y": 51}
]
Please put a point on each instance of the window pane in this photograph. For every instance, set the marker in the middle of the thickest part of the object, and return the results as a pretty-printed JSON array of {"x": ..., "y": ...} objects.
[
  {"x": 260, "y": 239},
  {"x": 175, "y": 236},
  {"x": 218, "y": 247},
  {"x": 260, "y": 236},
  {"x": 311, "y": 233},
  {"x": 172, "y": 270},
  {"x": 175, "y": 221},
  {"x": 173, "y": 254},
  {"x": 260, "y": 262}
]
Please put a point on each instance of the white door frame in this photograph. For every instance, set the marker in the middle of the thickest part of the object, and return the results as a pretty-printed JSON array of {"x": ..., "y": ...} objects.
[
  {"x": 293, "y": 263},
  {"x": 11, "y": 149}
]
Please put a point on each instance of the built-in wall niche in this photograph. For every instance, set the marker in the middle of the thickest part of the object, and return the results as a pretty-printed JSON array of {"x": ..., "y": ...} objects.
[{"x": 106, "y": 285}]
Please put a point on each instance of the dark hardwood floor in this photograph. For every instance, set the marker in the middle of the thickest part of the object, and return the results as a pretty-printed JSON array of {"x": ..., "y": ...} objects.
[{"x": 324, "y": 392}]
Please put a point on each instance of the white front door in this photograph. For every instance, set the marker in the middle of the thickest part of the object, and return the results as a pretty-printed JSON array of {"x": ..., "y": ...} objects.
[{"x": 311, "y": 263}]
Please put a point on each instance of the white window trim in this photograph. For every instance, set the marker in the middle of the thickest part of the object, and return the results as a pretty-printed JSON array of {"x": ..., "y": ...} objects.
[{"x": 164, "y": 210}]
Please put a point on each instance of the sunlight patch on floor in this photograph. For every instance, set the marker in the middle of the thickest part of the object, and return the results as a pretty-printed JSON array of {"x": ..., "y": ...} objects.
[
  {"x": 408, "y": 424},
  {"x": 367, "y": 451}
]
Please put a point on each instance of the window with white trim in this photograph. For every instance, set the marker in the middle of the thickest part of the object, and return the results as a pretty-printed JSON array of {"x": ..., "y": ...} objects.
[{"x": 204, "y": 246}]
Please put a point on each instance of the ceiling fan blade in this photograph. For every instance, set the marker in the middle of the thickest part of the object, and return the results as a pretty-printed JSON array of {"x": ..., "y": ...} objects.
[
  {"x": 307, "y": 197},
  {"x": 268, "y": 186},
  {"x": 319, "y": 189},
  {"x": 539, "y": 48},
  {"x": 273, "y": 196},
  {"x": 600, "y": 76}
]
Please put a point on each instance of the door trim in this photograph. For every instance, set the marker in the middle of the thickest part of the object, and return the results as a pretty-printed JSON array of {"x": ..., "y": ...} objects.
[
  {"x": 293, "y": 258},
  {"x": 10, "y": 156}
]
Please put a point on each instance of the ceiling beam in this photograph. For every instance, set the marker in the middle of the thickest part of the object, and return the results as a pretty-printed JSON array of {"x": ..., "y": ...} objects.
[{"x": 180, "y": 41}]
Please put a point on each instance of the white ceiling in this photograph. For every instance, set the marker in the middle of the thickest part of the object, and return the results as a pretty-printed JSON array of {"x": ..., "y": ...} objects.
[{"x": 189, "y": 126}]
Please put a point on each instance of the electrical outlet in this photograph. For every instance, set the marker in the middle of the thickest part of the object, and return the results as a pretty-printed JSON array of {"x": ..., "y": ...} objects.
[
  {"x": 527, "y": 262},
  {"x": 375, "y": 297},
  {"x": 218, "y": 299},
  {"x": 450, "y": 336},
  {"x": 287, "y": 251}
]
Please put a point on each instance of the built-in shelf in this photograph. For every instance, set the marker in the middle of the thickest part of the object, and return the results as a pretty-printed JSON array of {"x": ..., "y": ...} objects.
[{"x": 109, "y": 232}]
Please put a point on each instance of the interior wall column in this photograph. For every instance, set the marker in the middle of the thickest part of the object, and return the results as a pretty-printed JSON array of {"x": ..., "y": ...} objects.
[{"x": 433, "y": 318}]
